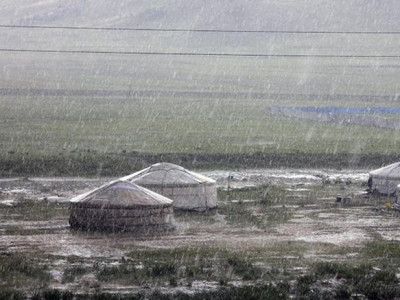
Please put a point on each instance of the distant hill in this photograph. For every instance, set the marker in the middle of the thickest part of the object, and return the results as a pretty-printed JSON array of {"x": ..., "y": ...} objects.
[
  {"x": 358, "y": 15},
  {"x": 268, "y": 76}
]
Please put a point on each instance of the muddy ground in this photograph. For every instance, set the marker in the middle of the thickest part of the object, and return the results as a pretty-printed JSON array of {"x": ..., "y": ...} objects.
[{"x": 279, "y": 222}]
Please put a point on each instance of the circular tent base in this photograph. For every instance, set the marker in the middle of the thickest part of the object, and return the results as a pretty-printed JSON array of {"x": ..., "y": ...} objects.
[
  {"x": 139, "y": 229},
  {"x": 121, "y": 206}
]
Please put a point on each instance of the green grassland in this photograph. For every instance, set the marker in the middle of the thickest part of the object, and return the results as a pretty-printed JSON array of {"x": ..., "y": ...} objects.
[{"x": 110, "y": 114}]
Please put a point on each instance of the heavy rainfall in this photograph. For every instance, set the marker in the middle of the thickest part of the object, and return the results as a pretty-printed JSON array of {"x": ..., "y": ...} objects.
[{"x": 199, "y": 149}]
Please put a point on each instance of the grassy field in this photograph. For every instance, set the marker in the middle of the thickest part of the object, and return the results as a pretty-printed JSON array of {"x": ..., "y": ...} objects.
[
  {"x": 130, "y": 130},
  {"x": 94, "y": 115}
]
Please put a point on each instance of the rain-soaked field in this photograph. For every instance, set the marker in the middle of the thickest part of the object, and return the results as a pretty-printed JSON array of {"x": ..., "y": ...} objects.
[
  {"x": 107, "y": 116},
  {"x": 276, "y": 233}
]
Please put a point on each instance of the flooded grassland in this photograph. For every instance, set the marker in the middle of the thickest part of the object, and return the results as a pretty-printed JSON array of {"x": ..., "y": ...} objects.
[{"x": 277, "y": 232}]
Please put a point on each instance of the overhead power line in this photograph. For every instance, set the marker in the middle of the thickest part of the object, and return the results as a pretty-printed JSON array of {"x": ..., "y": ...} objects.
[
  {"x": 199, "y": 30},
  {"x": 196, "y": 54}
]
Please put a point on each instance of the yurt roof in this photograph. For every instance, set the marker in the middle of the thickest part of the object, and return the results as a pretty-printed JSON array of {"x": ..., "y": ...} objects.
[
  {"x": 167, "y": 174},
  {"x": 121, "y": 194},
  {"x": 391, "y": 171}
]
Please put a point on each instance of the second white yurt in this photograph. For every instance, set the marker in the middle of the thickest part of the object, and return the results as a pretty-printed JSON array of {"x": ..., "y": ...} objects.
[
  {"x": 121, "y": 206},
  {"x": 385, "y": 180},
  {"x": 188, "y": 190}
]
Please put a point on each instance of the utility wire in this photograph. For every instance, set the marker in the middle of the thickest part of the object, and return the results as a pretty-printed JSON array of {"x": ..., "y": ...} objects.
[
  {"x": 199, "y": 30},
  {"x": 196, "y": 54}
]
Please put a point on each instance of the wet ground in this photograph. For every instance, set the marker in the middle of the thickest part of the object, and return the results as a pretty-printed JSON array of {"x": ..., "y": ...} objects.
[
  {"x": 297, "y": 221},
  {"x": 61, "y": 189}
]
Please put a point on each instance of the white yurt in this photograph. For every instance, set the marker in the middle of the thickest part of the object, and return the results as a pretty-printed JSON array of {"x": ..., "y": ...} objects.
[
  {"x": 385, "y": 180},
  {"x": 188, "y": 190},
  {"x": 121, "y": 206}
]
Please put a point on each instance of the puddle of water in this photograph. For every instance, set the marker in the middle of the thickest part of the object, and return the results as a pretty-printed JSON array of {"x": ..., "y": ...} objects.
[
  {"x": 19, "y": 191},
  {"x": 243, "y": 201},
  {"x": 349, "y": 238},
  {"x": 288, "y": 176},
  {"x": 297, "y": 190},
  {"x": 7, "y": 202},
  {"x": 285, "y": 206}
]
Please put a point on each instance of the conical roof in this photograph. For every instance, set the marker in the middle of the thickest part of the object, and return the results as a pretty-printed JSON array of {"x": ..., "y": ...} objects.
[
  {"x": 391, "y": 171},
  {"x": 167, "y": 174},
  {"x": 121, "y": 194}
]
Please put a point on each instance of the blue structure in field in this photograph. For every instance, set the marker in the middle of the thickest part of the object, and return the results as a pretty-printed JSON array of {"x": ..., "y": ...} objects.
[
  {"x": 349, "y": 110},
  {"x": 382, "y": 117}
]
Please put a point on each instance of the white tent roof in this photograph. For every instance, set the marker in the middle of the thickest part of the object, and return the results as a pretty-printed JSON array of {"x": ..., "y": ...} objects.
[
  {"x": 120, "y": 193},
  {"x": 167, "y": 174},
  {"x": 390, "y": 172}
]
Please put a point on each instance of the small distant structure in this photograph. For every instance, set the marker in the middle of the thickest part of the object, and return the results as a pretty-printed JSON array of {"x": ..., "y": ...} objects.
[
  {"x": 188, "y": 190},
  {"x": 344, "y": 199},
  {"x": 385, "y": 180},
  {"x": 121, "y": 206}
]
